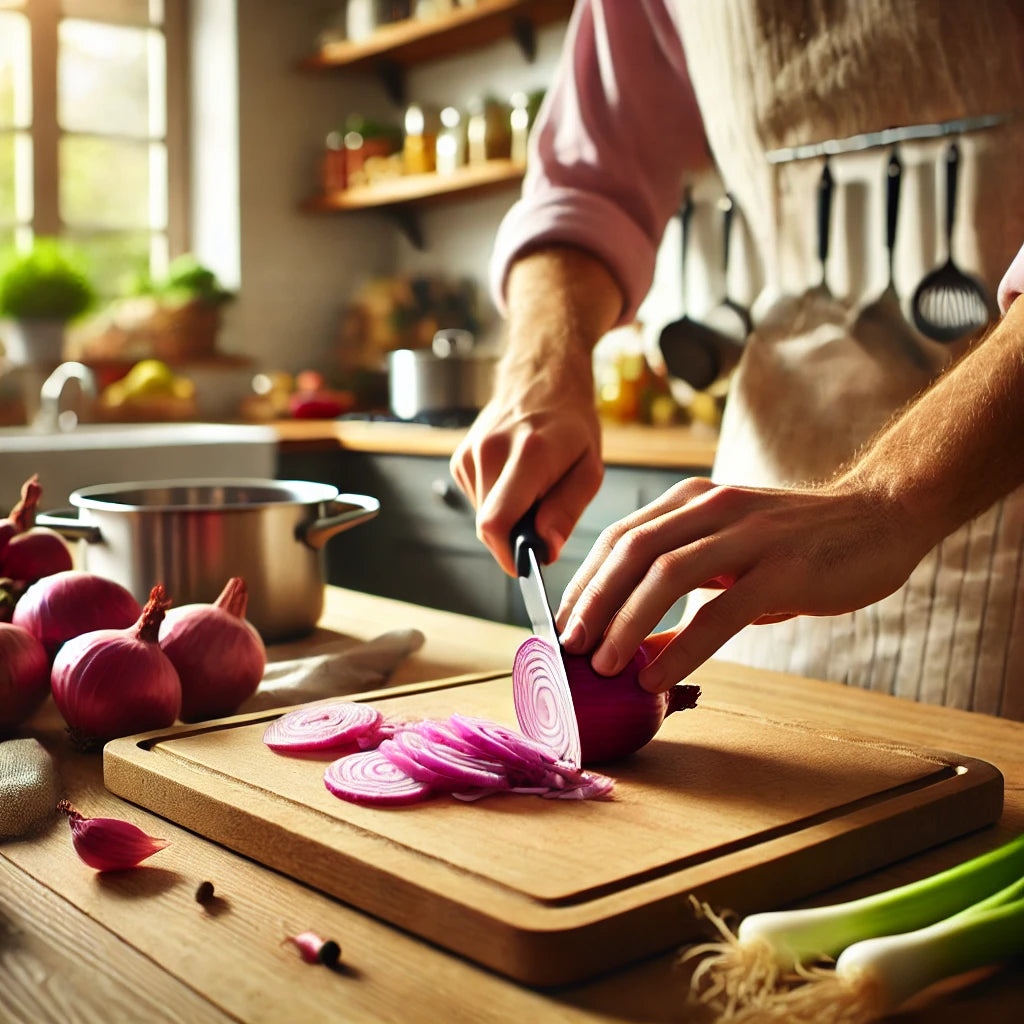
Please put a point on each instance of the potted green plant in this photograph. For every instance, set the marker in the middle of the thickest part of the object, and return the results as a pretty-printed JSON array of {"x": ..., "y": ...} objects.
[{"x": 41, "y": 290}]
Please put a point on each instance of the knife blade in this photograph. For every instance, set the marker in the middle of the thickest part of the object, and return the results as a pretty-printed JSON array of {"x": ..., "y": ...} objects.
[{"x": 529, "y": 551}]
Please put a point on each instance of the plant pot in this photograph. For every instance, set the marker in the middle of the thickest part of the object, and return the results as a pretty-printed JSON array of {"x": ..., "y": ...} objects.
[{"x": 35, "y": 342}]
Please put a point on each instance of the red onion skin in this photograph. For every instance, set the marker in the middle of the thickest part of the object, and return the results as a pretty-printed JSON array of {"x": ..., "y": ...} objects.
[
  {"x": 37, "y": 553},
  {"x": 29, "y": 552},
  {"x": 115, "y": 682},
  {"x": 67, "y": 604},
  {"x": 218, "y": 654},
  {"x": 616, "y": 716},
  {"x": 24, "y": 675}
]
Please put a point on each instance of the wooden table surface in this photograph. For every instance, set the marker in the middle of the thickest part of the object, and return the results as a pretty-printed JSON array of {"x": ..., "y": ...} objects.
[{"x": 136, "y": 946}]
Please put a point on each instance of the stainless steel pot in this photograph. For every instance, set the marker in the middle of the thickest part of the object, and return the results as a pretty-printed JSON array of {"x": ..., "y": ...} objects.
[
  {"x": 193, "y": 535},
  {"x": 450, "y": 377}
]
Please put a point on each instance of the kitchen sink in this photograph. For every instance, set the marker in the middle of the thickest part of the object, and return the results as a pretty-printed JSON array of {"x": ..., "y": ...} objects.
[{"x": 101, "y": 453}]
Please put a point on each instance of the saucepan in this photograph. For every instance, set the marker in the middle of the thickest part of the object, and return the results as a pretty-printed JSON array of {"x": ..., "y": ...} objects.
[{"x": 193, "y": 535}]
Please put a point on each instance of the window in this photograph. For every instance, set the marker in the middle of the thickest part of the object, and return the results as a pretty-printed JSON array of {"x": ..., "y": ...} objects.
[{"x": 92, "y": 135}]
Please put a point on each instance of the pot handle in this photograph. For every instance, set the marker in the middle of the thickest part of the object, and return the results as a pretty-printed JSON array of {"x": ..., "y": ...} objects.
[
  {"x": 317, "y": 533},
  {"x": 67, "y": 524}
]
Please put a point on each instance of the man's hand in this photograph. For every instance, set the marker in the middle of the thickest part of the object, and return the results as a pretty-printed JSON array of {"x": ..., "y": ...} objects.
[
  {"x": 539, "y": 438},
  {"x": 772, "y": 553}
]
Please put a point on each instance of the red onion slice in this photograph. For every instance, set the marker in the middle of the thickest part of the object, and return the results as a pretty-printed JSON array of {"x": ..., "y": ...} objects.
[
  {"x": 326, "y": 725},
  {"x": 370, "y": 778},
  {"x": 544, "y": 714},
  {"x": 464, "y": 771},
  {"x": 496, "y": 740}
]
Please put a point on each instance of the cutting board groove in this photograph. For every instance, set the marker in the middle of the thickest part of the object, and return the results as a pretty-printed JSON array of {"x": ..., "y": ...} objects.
[{"x": 740, "y": 810}]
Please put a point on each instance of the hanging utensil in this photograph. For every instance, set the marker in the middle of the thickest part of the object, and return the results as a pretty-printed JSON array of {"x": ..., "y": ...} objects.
[
  {"x": 691, "y": 350},
  {"x": 729, "y": 317},
  {"x": 885, "y": 314},
  {"x": 948, "y": 303},
  {"x": 826, "y": 186}
]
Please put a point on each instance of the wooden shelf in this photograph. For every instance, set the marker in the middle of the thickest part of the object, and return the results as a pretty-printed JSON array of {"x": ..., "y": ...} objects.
[
  {"x": 413, "y": 40},
  {"x": 420, "y": 188},
  {"x": 400, "y": 197}
]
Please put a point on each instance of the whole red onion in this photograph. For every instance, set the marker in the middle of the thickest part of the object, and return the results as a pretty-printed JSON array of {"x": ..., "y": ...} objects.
[
  {"x": 67, "y": 604},
  {"x": 114, "y": 682},
  {"x": 219, "y": 656},
  {"x": 30, "y": 552},
  {"x": 615, "y": 715},
  {"x": 24, "y": 675}
]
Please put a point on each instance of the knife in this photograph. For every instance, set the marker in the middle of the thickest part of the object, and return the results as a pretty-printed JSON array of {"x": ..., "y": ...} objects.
[{"x": 529, "y": 550}]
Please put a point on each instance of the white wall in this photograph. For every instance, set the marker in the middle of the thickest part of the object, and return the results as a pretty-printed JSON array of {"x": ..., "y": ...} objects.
[{"x": 294, "y": 271}]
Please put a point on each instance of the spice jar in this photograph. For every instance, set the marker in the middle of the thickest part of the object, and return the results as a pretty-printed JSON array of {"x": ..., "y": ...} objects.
[
  {"x": 488, "y": 136},
  {"x": 419, "y": 151},
  {"x": 519, "y": 123},
  {"x": 451, "y": 141},
  {"x": 333, "y": 174}
]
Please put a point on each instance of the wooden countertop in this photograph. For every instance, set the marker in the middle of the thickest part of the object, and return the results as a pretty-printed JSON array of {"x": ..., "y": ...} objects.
[
  {"x": 679, "y": 447},
  {"x": 136, "y": 946}
]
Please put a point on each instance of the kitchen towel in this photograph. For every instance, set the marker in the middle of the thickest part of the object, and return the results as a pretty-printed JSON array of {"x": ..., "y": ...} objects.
[{"x": 342, "y": 667}]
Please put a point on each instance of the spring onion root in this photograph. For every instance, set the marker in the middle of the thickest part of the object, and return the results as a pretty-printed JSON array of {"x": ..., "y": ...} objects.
[
  {"x": 876, "y": 976},
  {"x": 753, "y": 968}
]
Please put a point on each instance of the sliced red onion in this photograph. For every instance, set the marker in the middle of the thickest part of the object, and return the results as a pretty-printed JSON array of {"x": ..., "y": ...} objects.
[
  {"x": 370, "y": 778},
  {"x": 543, "y": 711},
  {"x": 463, "y": 770},
  {"x": 339, "y": 724}
]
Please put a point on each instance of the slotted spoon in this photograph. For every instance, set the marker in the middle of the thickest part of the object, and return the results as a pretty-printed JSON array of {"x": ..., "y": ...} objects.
[{"x": 948, "y": 303}]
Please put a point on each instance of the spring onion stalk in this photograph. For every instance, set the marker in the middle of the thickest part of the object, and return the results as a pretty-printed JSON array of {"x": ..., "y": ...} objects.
[
  {"x": 745, "y": 967},
  {"x": 876, "y": 976}
]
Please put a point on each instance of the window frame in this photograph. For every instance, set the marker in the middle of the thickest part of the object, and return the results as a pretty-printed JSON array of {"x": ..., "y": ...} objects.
[{"x": 44, "y": 17}]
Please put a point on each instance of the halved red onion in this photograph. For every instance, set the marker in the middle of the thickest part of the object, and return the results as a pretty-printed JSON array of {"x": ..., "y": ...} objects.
[
  {"x": 615, "y": 716},
  {"x": 543, "y": 711},
  {"x": 339, "y": 724},
  {"x": 370, "y": 778}
]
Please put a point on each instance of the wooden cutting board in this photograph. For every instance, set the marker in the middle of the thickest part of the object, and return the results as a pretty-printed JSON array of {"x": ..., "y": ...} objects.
[{"x": 740, "y": 810}]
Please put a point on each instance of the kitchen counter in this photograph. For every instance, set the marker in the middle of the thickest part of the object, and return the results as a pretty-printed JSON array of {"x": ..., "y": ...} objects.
[
  {"x": 678, "y": 447},
  {"x": 136, "y": 946}
]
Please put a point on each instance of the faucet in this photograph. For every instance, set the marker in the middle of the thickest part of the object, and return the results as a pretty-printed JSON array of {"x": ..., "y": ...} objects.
[{"x": 50, "y": 418}]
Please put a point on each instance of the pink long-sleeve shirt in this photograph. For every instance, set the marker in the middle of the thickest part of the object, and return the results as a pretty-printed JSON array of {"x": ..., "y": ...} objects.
[{"x": 618, "y": 130}]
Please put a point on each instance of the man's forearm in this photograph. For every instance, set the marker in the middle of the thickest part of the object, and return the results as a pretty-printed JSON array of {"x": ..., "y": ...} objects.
[
  {"x": 561, "y": 300},
  {"x": 959, "y": 446}
]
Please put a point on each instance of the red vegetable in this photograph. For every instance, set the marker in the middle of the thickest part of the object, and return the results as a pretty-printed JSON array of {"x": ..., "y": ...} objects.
[
  {"x": 616, "y": 716},
  {"x": 109, "y": 844},
  {"x": 369, "y": 777},
  {"x": 67, "y": 604},
  {"x": 218, "y": 654},
  {"x": 24, "y": 675},
  {"x": 114, "y": 682},
  {"x": 30, "y": 552},
  {"x": 339, "y": 724}
]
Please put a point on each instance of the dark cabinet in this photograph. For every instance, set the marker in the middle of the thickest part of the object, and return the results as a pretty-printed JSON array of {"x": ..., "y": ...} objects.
[{"x": 423, "y": 547}]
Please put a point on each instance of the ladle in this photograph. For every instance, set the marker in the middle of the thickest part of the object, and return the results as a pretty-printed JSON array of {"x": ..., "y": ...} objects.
[
  {"x": 691, "y": 350},
  {"x": 729, "y": 317},
  {"x": 948, "y": 303}
]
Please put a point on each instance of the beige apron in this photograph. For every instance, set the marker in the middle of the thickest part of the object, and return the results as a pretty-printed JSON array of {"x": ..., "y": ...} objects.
[{"x": 814, "y": 383}]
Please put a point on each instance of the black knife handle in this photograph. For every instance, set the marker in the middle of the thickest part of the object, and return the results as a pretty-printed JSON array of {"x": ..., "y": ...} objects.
[{"x": 524, "y": 537}]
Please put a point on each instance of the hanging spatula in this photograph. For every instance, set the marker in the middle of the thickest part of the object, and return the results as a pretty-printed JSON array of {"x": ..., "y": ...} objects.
[{"x": 948, "y": 303}]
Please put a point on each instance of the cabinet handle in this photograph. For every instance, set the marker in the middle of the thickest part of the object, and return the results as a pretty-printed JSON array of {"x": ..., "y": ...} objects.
[{"x": 446, "y": 492}]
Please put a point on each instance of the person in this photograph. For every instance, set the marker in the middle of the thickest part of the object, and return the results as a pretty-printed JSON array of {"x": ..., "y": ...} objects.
[{"x": 894, "y": 564}]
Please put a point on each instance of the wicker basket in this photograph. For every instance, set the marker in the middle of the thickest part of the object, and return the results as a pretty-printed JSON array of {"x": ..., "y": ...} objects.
[{"x": 146, "y": 329}]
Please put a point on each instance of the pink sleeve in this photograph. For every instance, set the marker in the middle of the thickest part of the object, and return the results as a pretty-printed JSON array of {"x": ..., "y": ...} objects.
[
  {"x": 1012, "y": 283},
  {"x": 618, "y": 128}
]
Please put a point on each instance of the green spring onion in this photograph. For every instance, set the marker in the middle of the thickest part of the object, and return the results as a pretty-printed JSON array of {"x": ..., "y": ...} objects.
[{"x": 745, "y": 968}]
